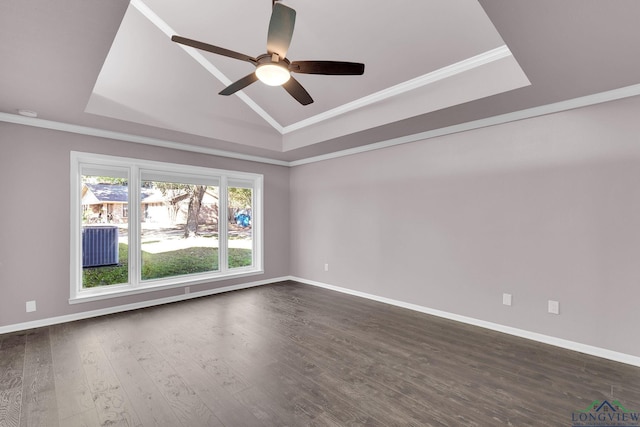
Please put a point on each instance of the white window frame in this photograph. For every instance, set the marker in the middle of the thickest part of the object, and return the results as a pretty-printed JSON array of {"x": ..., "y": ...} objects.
[{"x": 135, "y": 169}]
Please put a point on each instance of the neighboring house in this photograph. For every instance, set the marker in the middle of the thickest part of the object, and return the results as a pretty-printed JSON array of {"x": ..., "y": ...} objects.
[
  {"x": 105, "y": 203},
  {"x": 108, "y": 203}
]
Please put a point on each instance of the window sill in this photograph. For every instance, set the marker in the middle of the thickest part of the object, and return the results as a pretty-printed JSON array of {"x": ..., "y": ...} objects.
[{"x": 117, "y": 291}]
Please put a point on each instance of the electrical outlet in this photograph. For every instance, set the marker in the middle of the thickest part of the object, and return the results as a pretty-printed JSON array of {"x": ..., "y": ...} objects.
[
  {"x": 326, "y": 267},
  {"x": 506, "y": 299},
  {"x": 187, "y": 290},
  {"x": 31, "y": 306},
  {"x": 554, "y": 307}
]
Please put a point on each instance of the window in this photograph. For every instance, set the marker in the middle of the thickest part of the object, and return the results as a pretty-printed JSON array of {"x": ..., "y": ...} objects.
[
  {"x": 240, "y": 234},
  {"x": 141, "y": 225}
]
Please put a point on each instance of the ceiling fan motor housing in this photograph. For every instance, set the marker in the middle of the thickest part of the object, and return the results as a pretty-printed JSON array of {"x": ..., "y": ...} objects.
[{"x": 273, "y": 68}]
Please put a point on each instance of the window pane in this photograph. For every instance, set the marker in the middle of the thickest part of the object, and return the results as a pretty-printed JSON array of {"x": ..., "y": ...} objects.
[
  {"x": 178, "y": 229},
  {"x": 139, "y": 224},
  {"x": 105, "y": 237},
  {"x": 240, "y": 241}
]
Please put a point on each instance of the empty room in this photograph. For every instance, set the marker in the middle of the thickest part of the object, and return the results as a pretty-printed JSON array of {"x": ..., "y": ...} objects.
[{"x": 293, "y": 213}]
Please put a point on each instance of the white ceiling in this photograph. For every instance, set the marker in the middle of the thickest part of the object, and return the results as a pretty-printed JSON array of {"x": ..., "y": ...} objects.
[
  {"x": 419, "y": 57},
  {"x": 433, "y": 66}
]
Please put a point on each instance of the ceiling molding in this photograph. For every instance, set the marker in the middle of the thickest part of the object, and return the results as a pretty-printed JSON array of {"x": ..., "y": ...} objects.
[
  {"x": 584, "y": 101},
  {"x": 420, "y": 81},
  {"x": 200, "y": 59},
  {"x": 415, "y": 83},
  {"x": 120, "y": 136}
]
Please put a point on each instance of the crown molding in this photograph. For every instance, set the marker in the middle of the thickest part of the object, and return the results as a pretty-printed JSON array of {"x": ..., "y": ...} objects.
[
  {"x": 200, "y": 59},
  {"x": 585, "y": 101},
  {"x": 102, "y": 133},
  {"x": 420, "y": 81},
  {"x": 429, "y": 78}
]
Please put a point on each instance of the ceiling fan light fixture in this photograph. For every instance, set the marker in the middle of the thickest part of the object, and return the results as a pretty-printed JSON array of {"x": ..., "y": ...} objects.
[
  {"x": 273, "y": 74},
  {"x": 273, "y": 68}
]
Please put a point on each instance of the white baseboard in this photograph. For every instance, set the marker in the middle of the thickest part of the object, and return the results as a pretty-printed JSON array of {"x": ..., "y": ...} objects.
[
  {"x": 135, "y": 306},
  {"x": 534, "y": 336}
]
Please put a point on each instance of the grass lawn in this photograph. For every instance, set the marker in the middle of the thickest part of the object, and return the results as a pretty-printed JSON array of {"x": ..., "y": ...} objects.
[{"x": 165, "y": 264}]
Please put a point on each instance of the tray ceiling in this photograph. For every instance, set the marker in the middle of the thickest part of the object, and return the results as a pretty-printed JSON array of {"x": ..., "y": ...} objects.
[
  {"x": 108, "y": 68},
  {"x": 419, "y": 56}
]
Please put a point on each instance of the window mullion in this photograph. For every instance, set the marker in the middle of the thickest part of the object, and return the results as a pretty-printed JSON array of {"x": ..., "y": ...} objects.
[
  {"x": 257, "y": 224},
  {"x": 223, "y": 226},
  {"x": 134, "y": 226}
]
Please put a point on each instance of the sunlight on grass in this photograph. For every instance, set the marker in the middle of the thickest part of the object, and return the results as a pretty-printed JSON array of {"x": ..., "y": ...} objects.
[{"x": 165, "y": 264}]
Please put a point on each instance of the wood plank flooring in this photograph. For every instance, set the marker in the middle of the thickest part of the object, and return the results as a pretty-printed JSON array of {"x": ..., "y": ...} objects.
[{"x": 294, "y": 355}]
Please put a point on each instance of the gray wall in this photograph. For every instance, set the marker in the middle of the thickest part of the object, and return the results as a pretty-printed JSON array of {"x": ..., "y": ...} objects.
[
  {"x": 545, "y": 208},
  {"x": 34, "y": 248}
]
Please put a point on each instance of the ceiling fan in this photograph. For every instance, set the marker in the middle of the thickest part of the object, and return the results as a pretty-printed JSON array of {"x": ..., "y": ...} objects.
[{"x": 273, "y": 68}]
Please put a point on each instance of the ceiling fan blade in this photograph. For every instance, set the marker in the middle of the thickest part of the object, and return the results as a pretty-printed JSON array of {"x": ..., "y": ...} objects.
[
  {"x": 283, "y": 19},
  {"x": 214, "y": 49},
  {"x": 239, "y": 85},
  {"x": 337, "y": 68},
  {"x": 296, "y": 90}
]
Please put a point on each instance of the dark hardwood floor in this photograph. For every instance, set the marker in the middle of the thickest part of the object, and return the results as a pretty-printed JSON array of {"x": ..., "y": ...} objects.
[{"x": 294, "y": 355}]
